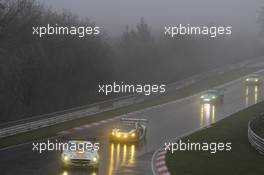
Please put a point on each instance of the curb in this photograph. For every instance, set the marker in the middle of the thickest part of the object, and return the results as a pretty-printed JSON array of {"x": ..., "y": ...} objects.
[
  {"x": 158, "y": 163},
  {"x": 159, "y": 166}
]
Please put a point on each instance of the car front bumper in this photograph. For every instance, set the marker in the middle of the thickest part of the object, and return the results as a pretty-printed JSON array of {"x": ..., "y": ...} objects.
[
  {"x": 80, "y": 163},
  {"x": 122, "y": 139}
]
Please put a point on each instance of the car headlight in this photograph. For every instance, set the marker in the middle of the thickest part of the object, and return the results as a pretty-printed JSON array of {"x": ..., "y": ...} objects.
[
  {"x": 65, "y": 158},
  {"x": 256, "y": 80},
  {"x": 247, "y": 79},
  {"x": 95, "y": 159}
]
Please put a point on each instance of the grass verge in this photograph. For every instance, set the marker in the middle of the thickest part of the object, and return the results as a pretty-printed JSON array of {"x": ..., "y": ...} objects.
[
  {"x": 177, "y": 94},
  {"x": 242, "y": 160}
]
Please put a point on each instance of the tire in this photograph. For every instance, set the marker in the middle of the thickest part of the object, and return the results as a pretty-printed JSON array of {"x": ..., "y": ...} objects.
[{"x": 145, "y": 133}]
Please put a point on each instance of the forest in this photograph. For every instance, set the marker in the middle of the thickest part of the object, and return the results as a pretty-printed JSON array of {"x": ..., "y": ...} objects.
[{"x": 52, "y": 73}]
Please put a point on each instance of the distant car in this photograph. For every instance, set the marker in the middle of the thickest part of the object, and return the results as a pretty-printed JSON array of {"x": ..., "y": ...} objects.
[
  {"x": 253, "y": 79},
  {"x": 212, "y": 96},
  {"x": 129, "y": 130},
  {"x": 81, "y": 157}
]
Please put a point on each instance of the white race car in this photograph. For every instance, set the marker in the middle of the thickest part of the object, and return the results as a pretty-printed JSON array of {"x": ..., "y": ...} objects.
[
  {"x": 80, "y": 157},
  {"x": 129, "y": 130},
  {"x": 253, "y": 79},
  {"x": 212, "y": 96}
]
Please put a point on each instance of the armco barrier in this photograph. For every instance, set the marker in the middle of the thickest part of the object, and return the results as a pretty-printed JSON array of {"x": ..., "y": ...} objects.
[
  {"x": 25, "y": 125},
  {"x": 255, "y": 139}
]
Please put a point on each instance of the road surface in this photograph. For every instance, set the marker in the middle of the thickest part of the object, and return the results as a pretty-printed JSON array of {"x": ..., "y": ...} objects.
[{"x": 165, "y": 122}]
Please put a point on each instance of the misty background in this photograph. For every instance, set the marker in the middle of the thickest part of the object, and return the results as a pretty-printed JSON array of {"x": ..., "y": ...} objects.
[
  {"x": 114, "y": 15},
  {"x": 42, "y": 75}
]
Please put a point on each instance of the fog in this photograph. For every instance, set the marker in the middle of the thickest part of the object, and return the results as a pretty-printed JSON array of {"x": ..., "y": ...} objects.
[
  {"x": 114, "y": 15},
  {"x": 58, "y": 72}
]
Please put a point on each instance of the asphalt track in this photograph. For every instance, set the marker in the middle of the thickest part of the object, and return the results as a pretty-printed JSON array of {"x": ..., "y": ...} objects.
[{"x": 165, "y": 122}]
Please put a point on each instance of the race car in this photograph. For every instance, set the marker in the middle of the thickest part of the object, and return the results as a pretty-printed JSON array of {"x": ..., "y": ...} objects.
[
  {"x": 253, "y": 79},
  {"x": 129, "y": 130},
  {"x": 212, "y": 96},
  {"x": 80, "y": 153}
]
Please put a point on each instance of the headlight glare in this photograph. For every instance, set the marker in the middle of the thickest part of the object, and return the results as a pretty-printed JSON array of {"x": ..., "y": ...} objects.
[
  {"x": 65, "y": 158},
  {"x": 95, "y": 159}
]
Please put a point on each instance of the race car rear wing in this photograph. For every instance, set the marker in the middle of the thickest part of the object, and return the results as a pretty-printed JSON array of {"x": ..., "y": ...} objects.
[{"x": 134, "y": 120}]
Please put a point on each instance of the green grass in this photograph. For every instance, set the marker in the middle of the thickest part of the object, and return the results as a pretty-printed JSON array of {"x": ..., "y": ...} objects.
[
  {"x": 177, "y": 94},
  {"x": 242, "y": 160}
]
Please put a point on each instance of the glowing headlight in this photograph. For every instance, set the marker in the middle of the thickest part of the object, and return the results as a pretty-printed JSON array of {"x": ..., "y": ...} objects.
[
  {"x": 95, "y": 159},
  {"x": 256, "y": 80},
  {"x": 247, "y": 79},
  {"x": 65, "y": 158},
  {"x": 133, "y": 135}
]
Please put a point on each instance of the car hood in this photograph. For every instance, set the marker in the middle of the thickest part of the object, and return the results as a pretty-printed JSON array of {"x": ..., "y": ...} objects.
[
  {"x": 209, "y": 96},
  {"x": 252, "y": 79},
  {"x": 77, "y": 155},
  {"x": 123, "y": 132}
]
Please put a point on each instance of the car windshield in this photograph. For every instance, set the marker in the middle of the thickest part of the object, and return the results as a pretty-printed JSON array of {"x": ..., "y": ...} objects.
[
  {"x": 126, "y": 127},
  {"x": 212, "y": 92},
  {"x": 253, "y": 76},
  {"x": 75, "y": 145}
]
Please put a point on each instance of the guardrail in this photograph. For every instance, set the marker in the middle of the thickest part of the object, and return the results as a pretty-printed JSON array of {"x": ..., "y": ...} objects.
[
  {"x": 42, "y": 121},
  {"x": 253, "y": 137},
  {"x": 68, "y": 116}
]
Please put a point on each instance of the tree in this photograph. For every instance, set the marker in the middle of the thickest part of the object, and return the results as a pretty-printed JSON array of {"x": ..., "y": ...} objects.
[{"x": 143, "y": 31}]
